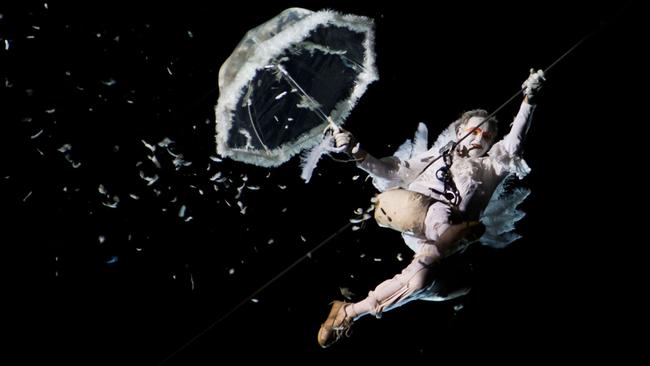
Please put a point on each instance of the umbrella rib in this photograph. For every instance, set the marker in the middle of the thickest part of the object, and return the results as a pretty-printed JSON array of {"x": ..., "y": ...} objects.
[
  {"x": 250, "y": 118},
  {"x": 293, "y": 83},
  {"x": 355, "y": 62}
]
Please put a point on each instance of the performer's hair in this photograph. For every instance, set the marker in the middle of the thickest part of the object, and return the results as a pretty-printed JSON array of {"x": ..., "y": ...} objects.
[{"x": 478, "y": 113}]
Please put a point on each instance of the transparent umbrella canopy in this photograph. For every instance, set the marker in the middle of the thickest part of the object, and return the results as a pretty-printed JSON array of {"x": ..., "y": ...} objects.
[{"x": 288, "y": 79}]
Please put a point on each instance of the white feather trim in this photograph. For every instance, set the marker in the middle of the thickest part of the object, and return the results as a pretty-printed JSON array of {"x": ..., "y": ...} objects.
[{"x": 310, "y": 158}]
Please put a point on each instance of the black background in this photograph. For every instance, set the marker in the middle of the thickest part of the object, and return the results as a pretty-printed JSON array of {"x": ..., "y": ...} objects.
[{"x": 104, "y": 78}]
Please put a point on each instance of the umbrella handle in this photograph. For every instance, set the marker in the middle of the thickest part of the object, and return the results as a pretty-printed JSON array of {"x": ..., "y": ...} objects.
[{"x": 331, "y": 126}]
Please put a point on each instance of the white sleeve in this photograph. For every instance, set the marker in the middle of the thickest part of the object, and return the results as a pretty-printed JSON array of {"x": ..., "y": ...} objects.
[
  {"x": 511, "y": 143},
  {"x": 391, "y": 172},
  {"x": 504, "y": 155},
  {"x": 384, "y": 172}
]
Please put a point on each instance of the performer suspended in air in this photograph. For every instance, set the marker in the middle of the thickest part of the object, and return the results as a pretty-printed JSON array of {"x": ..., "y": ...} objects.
[{"x": 442, "y": 205}]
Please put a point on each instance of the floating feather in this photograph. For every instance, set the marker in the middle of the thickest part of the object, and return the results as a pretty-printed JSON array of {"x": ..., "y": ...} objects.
[{"x": 311, "y": 157}]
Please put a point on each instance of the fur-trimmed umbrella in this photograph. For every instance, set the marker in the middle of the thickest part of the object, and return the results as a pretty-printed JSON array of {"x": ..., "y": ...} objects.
[{"x": 288, "y": 79}]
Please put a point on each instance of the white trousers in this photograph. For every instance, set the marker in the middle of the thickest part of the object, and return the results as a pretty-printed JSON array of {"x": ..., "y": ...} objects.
[{"x": 407, "y": 286}]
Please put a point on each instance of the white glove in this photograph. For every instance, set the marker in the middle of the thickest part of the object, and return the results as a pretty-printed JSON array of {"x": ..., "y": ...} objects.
[
  {"x": 533, "y": 84},
  {"x": 345, "y": 141}
]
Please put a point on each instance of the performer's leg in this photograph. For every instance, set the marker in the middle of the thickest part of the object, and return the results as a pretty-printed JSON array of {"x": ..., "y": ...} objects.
[
  {"x": 390, "y": 294},
  {"x": 400, "y": 289}
]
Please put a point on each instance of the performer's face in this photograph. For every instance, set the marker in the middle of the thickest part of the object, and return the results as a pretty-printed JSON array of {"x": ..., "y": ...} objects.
[{"x": 480, "y": 138}]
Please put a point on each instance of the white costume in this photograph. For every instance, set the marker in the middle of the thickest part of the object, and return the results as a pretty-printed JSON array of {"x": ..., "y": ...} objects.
[
  {"x": 435, "y": 203},
  {"x": 479, "y": 182}
]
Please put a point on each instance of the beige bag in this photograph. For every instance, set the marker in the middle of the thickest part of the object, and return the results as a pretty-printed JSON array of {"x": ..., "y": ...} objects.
[{"x": 402, "y": 210}]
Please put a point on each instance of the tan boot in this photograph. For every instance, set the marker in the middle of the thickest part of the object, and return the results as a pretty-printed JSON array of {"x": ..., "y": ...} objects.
[{"x": 336, "y": 325}]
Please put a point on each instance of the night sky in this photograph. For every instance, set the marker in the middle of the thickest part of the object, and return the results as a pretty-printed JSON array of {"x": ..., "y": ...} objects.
[{"x": 122, "y": 242}]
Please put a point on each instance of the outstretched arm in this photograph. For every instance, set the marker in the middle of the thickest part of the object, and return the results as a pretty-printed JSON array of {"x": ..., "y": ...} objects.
[
  {"x": 389, "y": 172},
  {"x": 386, "y": 168},
  {"x": 513, "y": 140}
]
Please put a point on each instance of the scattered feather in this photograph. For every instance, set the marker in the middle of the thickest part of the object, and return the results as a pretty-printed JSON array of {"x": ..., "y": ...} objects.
[
  {"x": 310, "y": 158},
  {"x": 154, "y": 160},
  {"x": 170, "y": 152},
  {"x": 113, "y": 203},
  {"x": 36, "y": 134},
  {"x": 150, "y": 180},
  {"x": 242, "y": 208},
  {"x": 149, "y": 146},
  {"x": 239, "y": 190},
  {"x": 216, "y": 176},
  {"x": 165, "y": 142},
  {"x": 65, "y": 148},
  {"x": 109, "y": 82},
  {"x": 101, "y": 189},
  {"x": 358, "y": 220},
  {"x": 180, "y": 162},
  {"x": 346, "y": 293}
]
